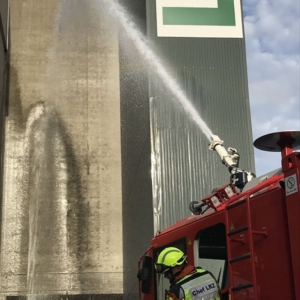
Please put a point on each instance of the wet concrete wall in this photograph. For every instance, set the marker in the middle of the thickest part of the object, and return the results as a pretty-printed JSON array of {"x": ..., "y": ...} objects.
[
  {"x": 62, "y": 169},
  {"x": 136, "y": 151},
  {"x": 73, "y": 79},
  {"x": 4, "y": 72}
]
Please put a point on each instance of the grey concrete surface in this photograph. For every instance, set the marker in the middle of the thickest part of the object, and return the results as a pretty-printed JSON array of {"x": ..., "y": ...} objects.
[
  {"x": 64, "y": 120},
  {"x": 64, "y": 218}
]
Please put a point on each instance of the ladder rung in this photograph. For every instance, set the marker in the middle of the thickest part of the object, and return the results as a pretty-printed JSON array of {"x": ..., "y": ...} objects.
[
  {"x": 242, "y": 286},
  {"x": 236, "y": 204},
  {"x": 234, "y": 231},
  {"x": 240, "y": 258}
]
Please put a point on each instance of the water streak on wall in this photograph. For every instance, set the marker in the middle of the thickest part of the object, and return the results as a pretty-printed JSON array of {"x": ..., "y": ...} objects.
[{"x": 62, "y": 158}]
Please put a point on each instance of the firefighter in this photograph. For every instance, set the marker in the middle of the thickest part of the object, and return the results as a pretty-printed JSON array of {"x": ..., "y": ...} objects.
[{"x": 187, "y": 282}]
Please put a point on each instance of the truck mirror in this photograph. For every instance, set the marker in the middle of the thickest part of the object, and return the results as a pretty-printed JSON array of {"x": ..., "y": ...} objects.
[{"x": 145, "y": 274}]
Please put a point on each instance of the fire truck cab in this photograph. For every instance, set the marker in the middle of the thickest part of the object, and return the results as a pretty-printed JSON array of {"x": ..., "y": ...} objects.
[{"x": 248, "y": 238}]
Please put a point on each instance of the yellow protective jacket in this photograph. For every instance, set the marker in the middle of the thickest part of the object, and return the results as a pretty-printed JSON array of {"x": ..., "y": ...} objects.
[{"x": 199, "y": 285}]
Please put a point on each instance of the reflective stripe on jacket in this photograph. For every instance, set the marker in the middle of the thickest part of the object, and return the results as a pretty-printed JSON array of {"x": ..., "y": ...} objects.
[{"x": 198, "y": 286}]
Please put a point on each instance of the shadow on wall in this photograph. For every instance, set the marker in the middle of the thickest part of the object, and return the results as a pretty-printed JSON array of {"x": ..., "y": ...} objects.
[{"x": 15, "y": 111}]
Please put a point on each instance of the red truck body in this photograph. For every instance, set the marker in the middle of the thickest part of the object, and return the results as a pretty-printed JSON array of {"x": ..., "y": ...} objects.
[{"x": 252, "y": 237}]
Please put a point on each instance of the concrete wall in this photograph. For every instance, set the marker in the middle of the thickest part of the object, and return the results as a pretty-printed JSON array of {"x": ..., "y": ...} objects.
[
  {"x": 73, "y": 80},
  {"x": 136, "y": 151},
  {"x": 62, "y": 152},
  {"x": 4, "y": 71}
]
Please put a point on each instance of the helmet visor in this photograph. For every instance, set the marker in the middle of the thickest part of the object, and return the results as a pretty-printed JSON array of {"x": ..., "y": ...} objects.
[{"x": 160, "y": 268}]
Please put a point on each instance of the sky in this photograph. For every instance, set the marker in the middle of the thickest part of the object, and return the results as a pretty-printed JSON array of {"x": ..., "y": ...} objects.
[{"x": 272, "y": 33}]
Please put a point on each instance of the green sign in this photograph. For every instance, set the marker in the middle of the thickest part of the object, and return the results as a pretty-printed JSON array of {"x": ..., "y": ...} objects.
[
  {"x": 223, "y": 15},
  {"x": 199, "y": 18}
]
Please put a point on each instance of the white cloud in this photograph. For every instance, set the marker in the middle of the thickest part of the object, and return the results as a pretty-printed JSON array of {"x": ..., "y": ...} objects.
[{"x": 272, "y": 30}]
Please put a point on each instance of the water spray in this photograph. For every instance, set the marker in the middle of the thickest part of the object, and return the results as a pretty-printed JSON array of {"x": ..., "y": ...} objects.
[
  {"x": 120, "y": 14},
  {"x": 47, "y": 195},
  {"x": 230, "y": 157}
]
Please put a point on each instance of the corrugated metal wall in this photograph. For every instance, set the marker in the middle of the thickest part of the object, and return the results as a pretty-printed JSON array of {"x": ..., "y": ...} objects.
[{"x": 213, "y": 73}]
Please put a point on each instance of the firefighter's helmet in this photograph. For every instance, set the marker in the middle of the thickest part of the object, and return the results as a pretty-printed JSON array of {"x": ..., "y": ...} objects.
[{"x": 169, "y": 258}]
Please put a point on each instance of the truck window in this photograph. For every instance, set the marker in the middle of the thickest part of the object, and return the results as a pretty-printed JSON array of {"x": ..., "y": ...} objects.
[
  {"x": 211, "y": 252},
  {"x": 162, "y": 284}
]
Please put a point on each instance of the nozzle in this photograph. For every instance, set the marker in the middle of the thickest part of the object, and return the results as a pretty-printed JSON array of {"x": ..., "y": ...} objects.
[{"x": 230, "y": 158}]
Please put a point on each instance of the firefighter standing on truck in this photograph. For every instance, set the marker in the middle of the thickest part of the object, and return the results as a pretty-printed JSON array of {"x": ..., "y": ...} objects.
[{"x": 187, "y": 282}]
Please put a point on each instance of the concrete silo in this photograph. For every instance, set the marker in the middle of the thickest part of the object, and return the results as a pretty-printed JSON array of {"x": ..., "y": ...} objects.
[
  {"x": 62, "y": 159},
  {"x": 98, "y": 154}
]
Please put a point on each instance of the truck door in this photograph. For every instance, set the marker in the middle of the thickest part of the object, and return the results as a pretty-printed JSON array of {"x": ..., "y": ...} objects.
[
  {"x": 162, "y": 284},
  {"x": 210, "y": 253}
]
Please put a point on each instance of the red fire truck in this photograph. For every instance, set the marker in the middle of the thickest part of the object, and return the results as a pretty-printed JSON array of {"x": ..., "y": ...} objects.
[{"x": 246, "y": 233}]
